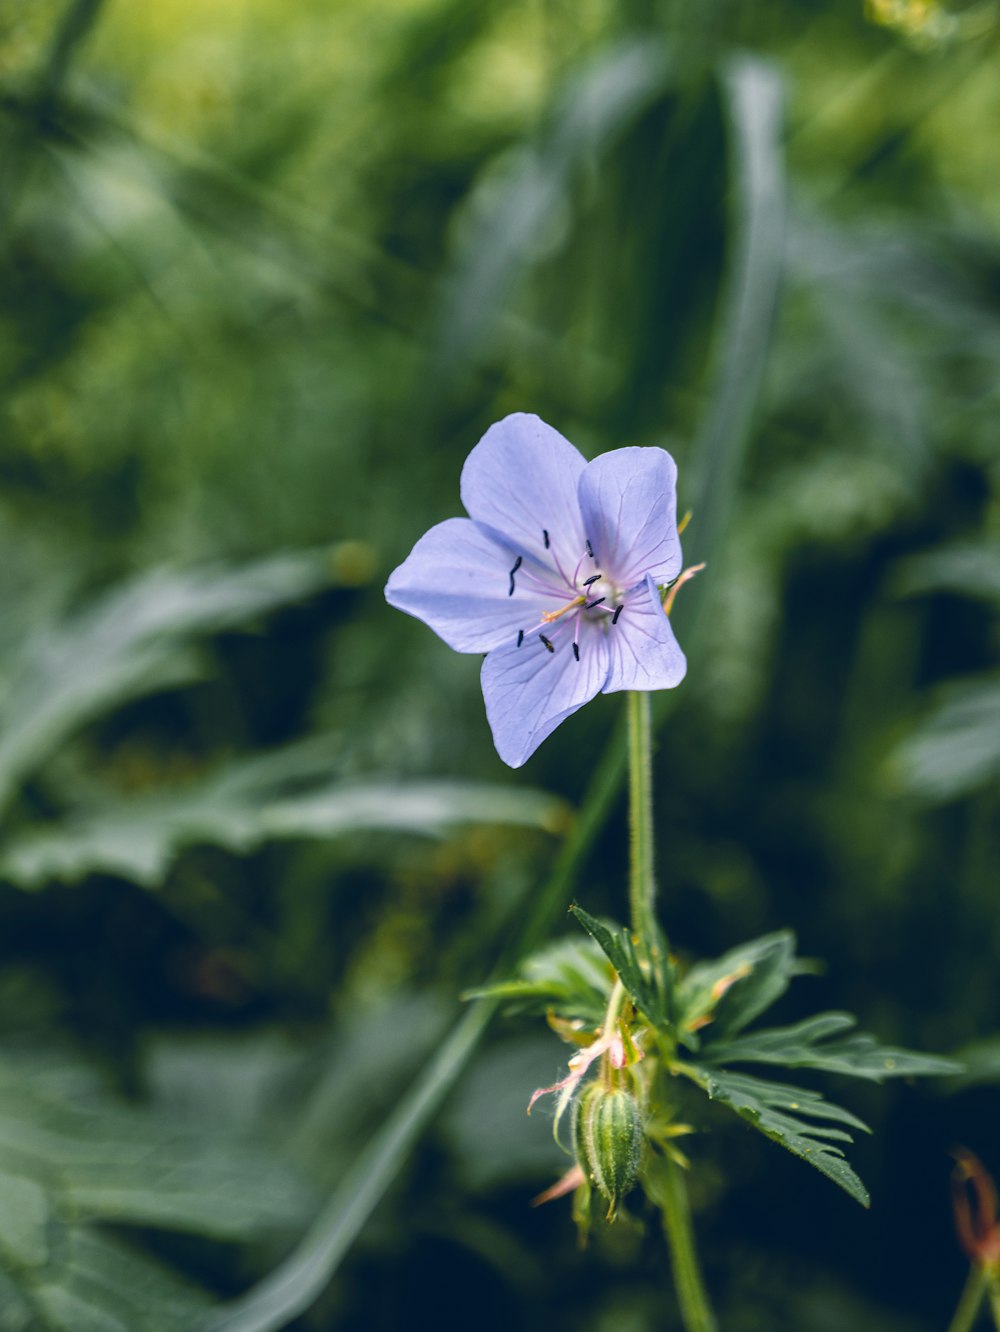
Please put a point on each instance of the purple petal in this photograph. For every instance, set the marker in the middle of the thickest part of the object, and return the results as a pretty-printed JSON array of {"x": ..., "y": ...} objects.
[
  {"x": 629, "y": 504},
  {"x": 521, "y": 480},
  {"x": 457, "y": 579},
  {"x": 529, "y": 690},
  {"x": 644, "y": 652}
]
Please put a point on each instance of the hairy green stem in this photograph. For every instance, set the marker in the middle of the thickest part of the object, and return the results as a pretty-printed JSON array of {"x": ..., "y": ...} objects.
[
  {"x": 642, "y": 884},
  {"x": 971, "y": 1301},
  {"x": 691, "y": 1295},
  {"x": 672, "y": 1199}
]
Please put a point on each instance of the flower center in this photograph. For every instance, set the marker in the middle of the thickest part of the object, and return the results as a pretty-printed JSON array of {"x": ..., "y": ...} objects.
[
  {"x": 587, "y": 598},
  {"x": 603, "y": 592}
]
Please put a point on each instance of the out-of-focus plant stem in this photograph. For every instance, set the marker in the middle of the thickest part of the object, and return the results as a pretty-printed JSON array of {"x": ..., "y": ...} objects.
[
  {"x": 691, "y": 1295},
  {"x": 971, "y": 1302}
]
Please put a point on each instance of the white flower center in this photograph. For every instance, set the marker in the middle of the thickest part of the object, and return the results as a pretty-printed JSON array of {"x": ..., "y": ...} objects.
[{"x": 601, "y": 590}]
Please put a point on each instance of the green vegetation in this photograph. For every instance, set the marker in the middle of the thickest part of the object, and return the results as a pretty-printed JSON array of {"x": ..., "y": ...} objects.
[{"x": 269, "y": 271}]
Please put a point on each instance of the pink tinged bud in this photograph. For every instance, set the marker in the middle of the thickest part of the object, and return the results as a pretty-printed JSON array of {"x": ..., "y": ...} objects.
[
  {"x": 578, "y": 1064},
  {"x": 974, "y": 1198},
  {"x": 616, "y": 1052}
]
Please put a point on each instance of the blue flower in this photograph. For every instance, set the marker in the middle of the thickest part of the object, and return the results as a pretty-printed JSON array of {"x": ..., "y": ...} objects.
[{"x": 555, "y": 575}]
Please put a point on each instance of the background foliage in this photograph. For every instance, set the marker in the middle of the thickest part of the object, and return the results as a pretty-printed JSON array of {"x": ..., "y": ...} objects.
[{"x": 269, "y": 271}]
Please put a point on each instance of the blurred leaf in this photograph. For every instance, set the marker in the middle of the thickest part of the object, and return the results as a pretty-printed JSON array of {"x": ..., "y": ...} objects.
[
  {"x": 240, "y": 806},
  {"x": 573, "y": 975},
  {"x": 956, "y": 748},
  {"x": 135, "y": 640},
  {"x": 777, "y": 1110},
  {"x": 979, "y": 1064},
  {"x": 807, "y": 1044},
  {"x": 95, "y": 1159},
  {"x": 96, "y": 1283},
  {"x": 971, "y": 569},
  {"x": 734, "y": 989},
  {"x": 70, "y": 1155}
]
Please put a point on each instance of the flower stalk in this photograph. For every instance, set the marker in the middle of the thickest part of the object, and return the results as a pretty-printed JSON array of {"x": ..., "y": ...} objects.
[
  {"x": 671, "y": 1196},
  {"x": 691, "y": 1294},
  {"x": 642, "y": 882}
]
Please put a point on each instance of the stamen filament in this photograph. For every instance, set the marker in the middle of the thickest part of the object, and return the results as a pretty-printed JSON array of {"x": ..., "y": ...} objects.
[
  {"x": 550, "y": 589},
  {"x": 549, "y": 616}
]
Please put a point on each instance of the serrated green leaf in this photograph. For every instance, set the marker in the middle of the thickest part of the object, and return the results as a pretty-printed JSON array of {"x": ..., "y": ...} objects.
[
  {"x": 807, "y": 1044},
  {"x": 573, "y": 976},
  {"x": 777, "y": 1110},
  {"x": 644, "y": 983},
  {"x": 731, "y": 991}
]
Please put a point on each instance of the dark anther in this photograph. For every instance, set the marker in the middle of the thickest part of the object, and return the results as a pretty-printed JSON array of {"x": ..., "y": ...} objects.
[
  {"x": 591, "y": 604},
  {"x": 517, "y": 565},
  {"x": 618, "y": 611},
  {"x": 545, "y": 537},
  {"x": 590, "y": 550},
  {"x": 592, "y": 579},
  {"x": 520, "y": 637},
  {"x": 576, "y": 651},
  {"x": 546, "y": 642}
]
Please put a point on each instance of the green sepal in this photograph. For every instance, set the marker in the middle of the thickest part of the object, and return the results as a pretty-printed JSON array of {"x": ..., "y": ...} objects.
[{"x": 648, "y": 979}]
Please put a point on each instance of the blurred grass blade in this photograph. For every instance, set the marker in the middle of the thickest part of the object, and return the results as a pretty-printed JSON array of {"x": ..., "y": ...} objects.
[
  {"x": 293, "y": 1287},
  {"x": 759, "y": 201},
  {"x": 752, "y": 100},
  {"x": 511, "y": 217}
]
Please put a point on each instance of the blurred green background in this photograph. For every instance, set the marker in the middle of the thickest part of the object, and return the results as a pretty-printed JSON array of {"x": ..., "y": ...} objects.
[{"x": 269, "y": 271}]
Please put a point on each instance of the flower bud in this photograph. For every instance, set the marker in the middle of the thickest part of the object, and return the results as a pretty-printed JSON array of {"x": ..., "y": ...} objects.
[{"x": 608, "y": 1136}]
